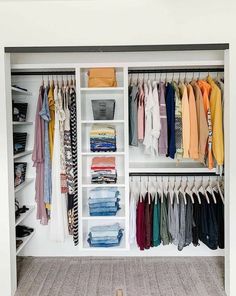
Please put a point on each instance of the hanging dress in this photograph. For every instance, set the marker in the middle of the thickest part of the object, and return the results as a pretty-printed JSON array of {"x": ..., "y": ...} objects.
[
  {"x": 156, "y": 123},
  {"x": 73, "y": 128},
  {"x": 68, "y": 161},
  {"x": 58, "y": 223},
  {"x": 38, "y": 159}
]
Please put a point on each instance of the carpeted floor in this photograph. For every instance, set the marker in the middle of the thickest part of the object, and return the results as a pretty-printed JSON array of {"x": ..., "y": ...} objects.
[{"x": 149, "y": 276}]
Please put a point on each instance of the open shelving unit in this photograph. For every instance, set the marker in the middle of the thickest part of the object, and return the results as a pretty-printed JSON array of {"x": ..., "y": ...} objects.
[
  {"x": 25, "y": 242},
  {"x": 85, "y": 123},
  {"x": 23, "y": 216}
]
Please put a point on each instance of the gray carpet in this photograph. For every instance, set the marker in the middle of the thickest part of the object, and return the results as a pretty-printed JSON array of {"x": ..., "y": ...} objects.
[{"x": 149, "y": 276}]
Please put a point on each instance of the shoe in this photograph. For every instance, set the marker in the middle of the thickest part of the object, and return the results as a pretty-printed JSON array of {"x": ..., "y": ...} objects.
[{"x": 18, "y": 243}]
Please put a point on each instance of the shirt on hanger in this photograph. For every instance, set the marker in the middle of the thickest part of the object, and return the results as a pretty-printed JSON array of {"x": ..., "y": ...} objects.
[
  {"x": 217, "y": 122},
  {"x": 185, "y": 119},
  {"x": 193, "y": 146},
  {"x": 163, "y": 138},
  {"x": 170, "y": 110},
  {"x": 202, "y": 123},
  {"x": 141, "y": 112}
]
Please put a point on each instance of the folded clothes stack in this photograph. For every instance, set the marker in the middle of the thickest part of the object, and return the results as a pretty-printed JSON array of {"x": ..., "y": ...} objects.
[
  {"x": 103, "y": 170},
  {"x": 105, "y": 235},
  {"x": 104, "y": 201},
  {"x": 102, "y": 138}
]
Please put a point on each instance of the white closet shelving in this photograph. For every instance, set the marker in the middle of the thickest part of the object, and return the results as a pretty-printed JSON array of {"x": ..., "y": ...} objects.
[
  {"x": 128, "y": 159},
  {"x": 26, "y": 126}
]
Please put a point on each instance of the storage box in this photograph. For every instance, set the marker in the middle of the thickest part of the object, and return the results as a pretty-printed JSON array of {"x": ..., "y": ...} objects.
[
  {"x": 103, "y": 109},
  {"x": 19, "y": 142},
  {"x": 19, "y": 111},
  {"x": 19, "y": 172}
]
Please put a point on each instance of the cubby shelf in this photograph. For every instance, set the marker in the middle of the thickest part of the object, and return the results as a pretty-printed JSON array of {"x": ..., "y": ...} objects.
[
  {"x": 24, "y": 184},
  {"x": 102, "y": 121},
  {"x": 22, "y": 154},
  {"x": 89, "y": 153},
  {"x": 23, "y": 216},
  {"x": 101, "y": 89},
  {"x": 87, "y": 183},
  {"x": 120, "y": 214},
  {"x": 22, "y": 123},
  {"x": 25, "y": 242},
  {"x": 20, "y": 91}
]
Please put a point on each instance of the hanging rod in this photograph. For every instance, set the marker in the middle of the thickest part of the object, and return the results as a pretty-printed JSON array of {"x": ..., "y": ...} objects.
[
  {"x": 42, "y": 73},
  {"x": 172, "y": 174},
  {"x": 175, "y": 70}
]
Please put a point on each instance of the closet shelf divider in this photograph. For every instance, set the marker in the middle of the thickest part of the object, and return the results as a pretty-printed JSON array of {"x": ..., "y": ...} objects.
[
  {"x": 102, "y": 121},
  {"x": 89, "y": 153},
  {"x": 86, "y": 182},
  {"x": 120, "y": 214}
]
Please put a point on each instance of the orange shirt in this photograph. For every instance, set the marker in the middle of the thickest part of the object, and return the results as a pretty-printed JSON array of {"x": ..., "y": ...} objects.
[{"x": 206, "y": 90}]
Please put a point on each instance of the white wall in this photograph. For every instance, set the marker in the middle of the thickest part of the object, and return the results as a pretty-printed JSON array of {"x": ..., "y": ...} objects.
[{"x": 25, "y": 23}]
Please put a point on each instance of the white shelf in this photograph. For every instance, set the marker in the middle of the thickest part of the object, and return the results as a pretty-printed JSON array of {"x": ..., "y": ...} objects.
[
  {"x": 87, "y": 183},
  {"x": 25, "y": 241},
  {"x": 23, "y": 185},
  {"x": 87, "y": 247},
  {"x": 20, "y": 91},
  {"x": 120, "y": 214},
  {"x": 22, "y": 154},
  {"x": 22, "y": 123},
  {"x": 89, "y": 153},
  {"x": 24, "y": 215},
  {"x": 102, "y": 121},
  {"x": 101, "y": 89},
  {"x": 168, "y": 167}
]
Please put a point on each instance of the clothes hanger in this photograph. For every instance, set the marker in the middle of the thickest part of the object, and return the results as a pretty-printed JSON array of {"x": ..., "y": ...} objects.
[
  {"x": 218, "y": 189},
  {"x": 194, "y": 189},
  {"x": 175, "y": 189},
  {"x": 204, "y": 191},
  {"x": 188, "y": 191},
  {"x": 42, "y": 81},
  {"x": 140, "y": 191},
  {"x": 210, "y": 189}
]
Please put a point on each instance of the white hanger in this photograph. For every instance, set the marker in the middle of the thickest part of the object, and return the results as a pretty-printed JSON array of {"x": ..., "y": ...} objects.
[
  {"x": 176, "y": 191},
  {"x": 219, "y": 189},
  {"x": 188, "y": 191},
  {"x": 202, "y": 189},
  {"x": 170, "y": 190},
  {"x": 210, "y": 190},
  {"x": 194, "y": 190},
  {"x": 181, "y": 189}
]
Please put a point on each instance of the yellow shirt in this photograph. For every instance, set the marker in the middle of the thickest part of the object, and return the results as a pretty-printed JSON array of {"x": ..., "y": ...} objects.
[{"x": 217, "y": 124}]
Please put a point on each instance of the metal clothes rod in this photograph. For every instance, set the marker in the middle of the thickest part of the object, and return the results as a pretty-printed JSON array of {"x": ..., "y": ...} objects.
[
  {"x": 172, "y": 174},
  {"x": 175, "y": 70},
  {"x": 43, "y": 73}
]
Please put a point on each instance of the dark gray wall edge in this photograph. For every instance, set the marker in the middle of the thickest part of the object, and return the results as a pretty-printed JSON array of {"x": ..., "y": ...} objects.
[{"x": 118, "y": 48}]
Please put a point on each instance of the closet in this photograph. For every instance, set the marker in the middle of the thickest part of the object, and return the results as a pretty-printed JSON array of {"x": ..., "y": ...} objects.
[{"x": 28, "y": 70}]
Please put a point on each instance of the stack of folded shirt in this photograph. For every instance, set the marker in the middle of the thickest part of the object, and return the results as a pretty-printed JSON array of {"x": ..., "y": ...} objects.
[
  {"x": 102, "y": 138},
  {"x": 103, "y": 170},
  {"x": 105, "y": 235},
  {"x": 104, "y": 201}
]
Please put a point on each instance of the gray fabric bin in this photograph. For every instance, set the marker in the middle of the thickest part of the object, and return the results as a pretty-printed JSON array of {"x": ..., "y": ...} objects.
[{"x": 103, "y": 109}]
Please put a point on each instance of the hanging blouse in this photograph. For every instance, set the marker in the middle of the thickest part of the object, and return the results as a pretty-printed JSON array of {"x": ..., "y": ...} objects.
[
  {"x": 45, "y": 114},
  {"x": 141, "y": 112},
  {"x": 202, "y": 123},
  {"x": 58, "y": 222},
  {"x": 156, "y": 123},
  {"x": 206, "y": 89},
  {"x": 38, "y": 159},
  {"x": 133, "y": 114},
  {"x": 73, "y": 125},
  {"x": 193, "y": 146},
  {"x": 148, "y": 118},
  {"x": 51, "y": 105},
  {"x": 185, "y": 119},
  {"x": 170, "y": 110},
  {"x": 178, "y": 123},
  {"x": 217, "y": 122},
  {"x": 163, "y": 139}
]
